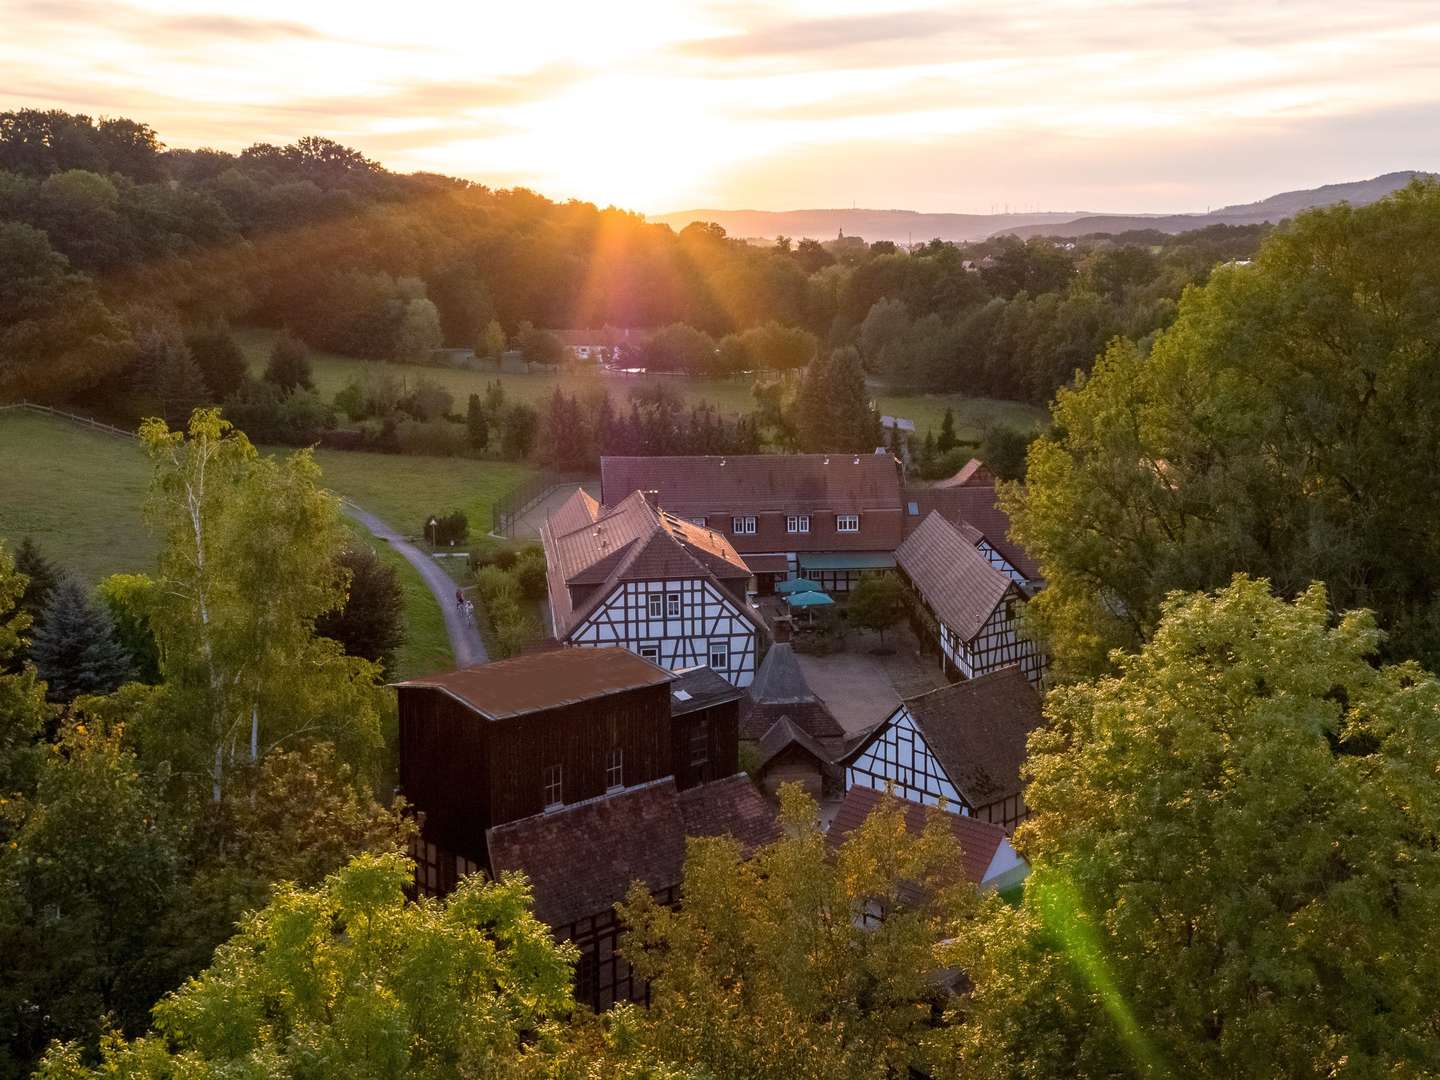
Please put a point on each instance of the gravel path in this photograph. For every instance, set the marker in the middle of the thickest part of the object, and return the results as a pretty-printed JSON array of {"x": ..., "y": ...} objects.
[{"x": 465, "y": 640}]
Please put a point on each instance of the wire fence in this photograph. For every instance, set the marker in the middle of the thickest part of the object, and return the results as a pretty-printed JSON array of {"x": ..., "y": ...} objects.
[
  {"x": 523, "y": 498},
  {"x": 75, "y": 418}
]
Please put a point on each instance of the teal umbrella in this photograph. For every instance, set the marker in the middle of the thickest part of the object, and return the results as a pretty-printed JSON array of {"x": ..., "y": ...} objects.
[
  {"x": 809, "y": 599},
  {"x": 798, "y": 585}
]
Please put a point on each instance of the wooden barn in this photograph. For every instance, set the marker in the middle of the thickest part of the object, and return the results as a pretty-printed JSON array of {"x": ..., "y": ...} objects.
[
  {"x": 794, "y": 736},
  {"x": 975, "y": 604},
  {"x": 636, "y": 576},
  {"x": 963, "y": 743},
  {"x": 586, "y": 768}
]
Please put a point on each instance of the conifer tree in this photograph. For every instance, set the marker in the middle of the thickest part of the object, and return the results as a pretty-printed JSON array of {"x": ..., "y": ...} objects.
[
  {"x": 947, "y": 440},
  {"x": 289, "y": 365},
  {"x": 477, "y": 426},
  {"x": 41, "y": 574},
  {"x": 75, "y": 649}
]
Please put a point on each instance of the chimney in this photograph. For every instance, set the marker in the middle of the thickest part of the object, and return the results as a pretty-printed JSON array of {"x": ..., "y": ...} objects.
[{"x": 652, "y": 497}]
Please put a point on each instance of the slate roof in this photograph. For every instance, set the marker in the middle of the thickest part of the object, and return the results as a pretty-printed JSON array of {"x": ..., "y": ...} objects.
[
  {"x": 783, "y": 734},
  {"x": 634, "y": 541},
  {"x": 978, "y": 729},
  {"x": 953, "y": 577},
  {"x": 974, "y": 508},
  {"x": 780, "y": 689},
  {"x": 581, "y": 860},
  {"x": 696, "y": 485},
  {"x": 979, "y": 840},
  {"x": 703, "y": 688},
  {"x": 549, "y": 679}
]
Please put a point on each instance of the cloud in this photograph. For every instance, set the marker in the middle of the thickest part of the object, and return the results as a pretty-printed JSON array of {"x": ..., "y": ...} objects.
[{"x": 824, "y": 35}]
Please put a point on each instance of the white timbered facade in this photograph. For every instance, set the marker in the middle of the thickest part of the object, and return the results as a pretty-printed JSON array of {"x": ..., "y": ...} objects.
[
  {"x": 663, "y": 587},
  {"x": 998, "y": 644},
  {"x": 963, "y": 744},
  {"x": 678, "y": 623}
]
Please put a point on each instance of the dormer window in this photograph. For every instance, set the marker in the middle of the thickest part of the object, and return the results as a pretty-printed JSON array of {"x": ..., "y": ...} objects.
[
  {"x": 743, "y": 526},
  {"x": 847, "y": 523},
  {"x": 797, "y": 523}
]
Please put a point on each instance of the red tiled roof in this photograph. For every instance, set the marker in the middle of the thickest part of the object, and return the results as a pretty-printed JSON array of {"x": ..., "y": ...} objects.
[
  {"x": 582, "y": 860},
  {"x": 747, "y": 483},
  {"x": 974, "y": 508},
  {"x": 574, "y": 513},
  {"x": 979, "y": 840},
  {"x": 952, "y": 576},
  {"x": 544, "y": 680},
  {"x": 633, "y": 541},
  {"x": 978, "y": 731}
]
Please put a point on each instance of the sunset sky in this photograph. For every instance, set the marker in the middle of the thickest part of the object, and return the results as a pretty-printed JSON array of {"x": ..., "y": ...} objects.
[{"x": 1140, "y": 105}]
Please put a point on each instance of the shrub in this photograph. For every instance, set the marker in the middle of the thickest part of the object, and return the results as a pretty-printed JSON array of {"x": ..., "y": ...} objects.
[
  {"x": 289, "y": 365},
  {"x": 436, "y": 438},
  {"x": 451, "y": 528},
  {"x": 529, "y": 574}
]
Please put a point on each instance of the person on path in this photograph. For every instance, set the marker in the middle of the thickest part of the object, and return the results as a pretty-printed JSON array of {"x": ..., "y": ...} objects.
[{"x": 459, "y": 599}]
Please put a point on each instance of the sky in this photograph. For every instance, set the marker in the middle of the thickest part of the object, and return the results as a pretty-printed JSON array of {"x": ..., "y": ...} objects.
[{"x": 1126, "y": 105}]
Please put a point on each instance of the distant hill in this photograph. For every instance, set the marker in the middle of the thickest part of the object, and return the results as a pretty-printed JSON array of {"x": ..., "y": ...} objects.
[
  {"x": 1275, "y": 208},
  {"x": 902, "y": 226}
]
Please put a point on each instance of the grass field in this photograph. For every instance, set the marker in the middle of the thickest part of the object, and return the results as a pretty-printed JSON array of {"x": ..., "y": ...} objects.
[
  {"x": 333, "y": 372},
  {"x": 78, "y": 493},
  {"x": 427, "y": 645}
]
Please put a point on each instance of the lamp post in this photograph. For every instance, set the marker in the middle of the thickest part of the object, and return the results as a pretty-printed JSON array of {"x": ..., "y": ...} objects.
[{"x": 432, "y": 525}]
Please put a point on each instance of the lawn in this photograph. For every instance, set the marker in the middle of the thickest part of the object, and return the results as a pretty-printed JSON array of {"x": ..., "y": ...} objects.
[
  {"x": 77, "y": 493},
  {"x": 427, "y": 645},
  {"x": 730, "y": 396}
]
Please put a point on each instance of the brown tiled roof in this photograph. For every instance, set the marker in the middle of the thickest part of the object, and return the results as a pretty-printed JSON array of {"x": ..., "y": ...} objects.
[
  {"x": 713, "y": 484},
  {"x": 783, "y": 734},
  {"x": 574, "y": 513},
  {"x": 978, "y": 729},
  {"x": 582, "y": 860},
  {"x": 544, "y": 680},
  {"x": 979, "y": 840},
  {"x": 702, "y": 688},
  {"x": 952, "y": 576},
  {"x": 976, "y": 509},
  {"x": 974, "y": 473},
  {"x": 779, "y": 689},
  {"x": 633, "y": 541}
]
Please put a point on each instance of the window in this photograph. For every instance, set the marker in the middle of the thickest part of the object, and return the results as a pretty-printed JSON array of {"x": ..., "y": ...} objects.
[
  {"x": 797, "y": 523},
  {"x": 650, "y": 652},
  {"x": 1010, "y": 609},
  {"x": 654, "y": 605},
  {"x": 465, "y": 867},
  {"x": 672, "y": 605},
  {"x": 847, "y": 522},
  {"x": 743, "y": 526},
  {"x": 697, "y": 521},
  {"x": 553, "y": 797},
  {"x": 700, "y": 744},
  {"x": 913, "y": 509},
  {"x": 615, "y": 769},
  {"x": 719, "y": 655}
]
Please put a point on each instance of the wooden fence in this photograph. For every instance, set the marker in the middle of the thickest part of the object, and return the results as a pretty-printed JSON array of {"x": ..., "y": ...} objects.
[{"x": 75, "y": 418}]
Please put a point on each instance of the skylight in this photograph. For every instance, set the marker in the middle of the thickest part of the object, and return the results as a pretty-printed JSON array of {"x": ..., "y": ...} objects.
[{"x": 682, "y": 695}]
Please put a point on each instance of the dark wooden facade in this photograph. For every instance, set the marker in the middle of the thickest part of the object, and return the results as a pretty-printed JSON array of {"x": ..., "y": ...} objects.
[
  {"x": 465, "y": 773},
  {"x": 705, "y": 745}
]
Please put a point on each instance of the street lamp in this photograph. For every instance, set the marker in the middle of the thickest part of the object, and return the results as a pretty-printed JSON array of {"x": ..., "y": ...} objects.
[{"x": 432, "y": 525}]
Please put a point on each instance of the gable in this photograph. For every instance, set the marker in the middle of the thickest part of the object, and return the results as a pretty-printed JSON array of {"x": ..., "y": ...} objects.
[{"x": 898, "y": 756}]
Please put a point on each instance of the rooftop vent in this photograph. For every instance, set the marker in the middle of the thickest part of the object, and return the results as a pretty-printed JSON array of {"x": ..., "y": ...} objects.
[
  {"x": 857, "y": 459},
  {"x": 827, "y": 461}
]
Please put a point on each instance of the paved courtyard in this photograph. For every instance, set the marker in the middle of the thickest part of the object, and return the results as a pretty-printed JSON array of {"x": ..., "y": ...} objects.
[{"x": 862, "y": 688}]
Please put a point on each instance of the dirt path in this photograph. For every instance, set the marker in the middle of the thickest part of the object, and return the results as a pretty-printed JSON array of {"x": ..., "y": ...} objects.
[{"x": 465, "y": 640}]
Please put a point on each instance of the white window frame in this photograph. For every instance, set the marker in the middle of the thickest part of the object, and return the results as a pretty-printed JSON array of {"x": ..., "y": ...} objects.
[
  {"x": 847, "y": 523},
  {"x": 552, "y": 779},
  {"x": 615, "y": 769},
  {"x": 672, "y": 605},
  {"x": 797, "y": 523},
  {"x": 722, "y": 649},
  {"x": 653, "y": 650},
  {"x": 655, "y": 605},
  {"x": 743, "y": 526}
]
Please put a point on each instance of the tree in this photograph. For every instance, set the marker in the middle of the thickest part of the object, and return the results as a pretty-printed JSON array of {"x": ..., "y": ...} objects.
[
  {"x": 947, "y": 440},
  {"x": 88, "y": 872},
  {"x": 877, "y": 603},
  {"x": 519, "y": 425},
  {"x": 289, "y": 364},
  {"x": 1003, "y": 449},
  {"x": 41, "y": 578},
  {"x": 75, "y": 649},
  {"x": 371, "y": 622},
  {"x": 832, "y": 407},
  {"x": 477, "y": 426},
  {"x": 247, "y": 564},
  {"x": 541, "y": 346},
  {"x": 419, "y": 331},
  {"x": 354, "y": 975},
  {"x": 23, "y": 712},
  {"x": 167, "y": 374},
  {"x": 1280, "y": 427},
  {"x": 128, "y": 598},
  {"x": 765, "y": 970},
  {"x": 221, "y": 361},
  {"x": 1232, "y": 851},
  {"x": 491, "y": 344}
]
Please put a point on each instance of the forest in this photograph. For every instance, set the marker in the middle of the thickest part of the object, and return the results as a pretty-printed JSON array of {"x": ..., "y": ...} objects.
[{"x": 123, "y": 265}]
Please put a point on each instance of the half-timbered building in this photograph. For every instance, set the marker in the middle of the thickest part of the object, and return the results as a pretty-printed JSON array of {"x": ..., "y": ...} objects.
[
  {"x": 964, "y": 744},
  {"x": 975, "y": 604},
  {"x": 586, "y": 768},
  {"x": 830, "y": 517},
  {"x": 640, "y": 577},
  {"x": 968, "y": 501}
]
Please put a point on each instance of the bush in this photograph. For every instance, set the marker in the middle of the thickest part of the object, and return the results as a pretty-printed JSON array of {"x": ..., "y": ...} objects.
[
  {"x": 449, "y": 529},
  {"x": 289, "y": 365},
  {"x": 428, "y": 401},
  {"x": 435, "y": 438},
  {"x": 529, "y": 573}
]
